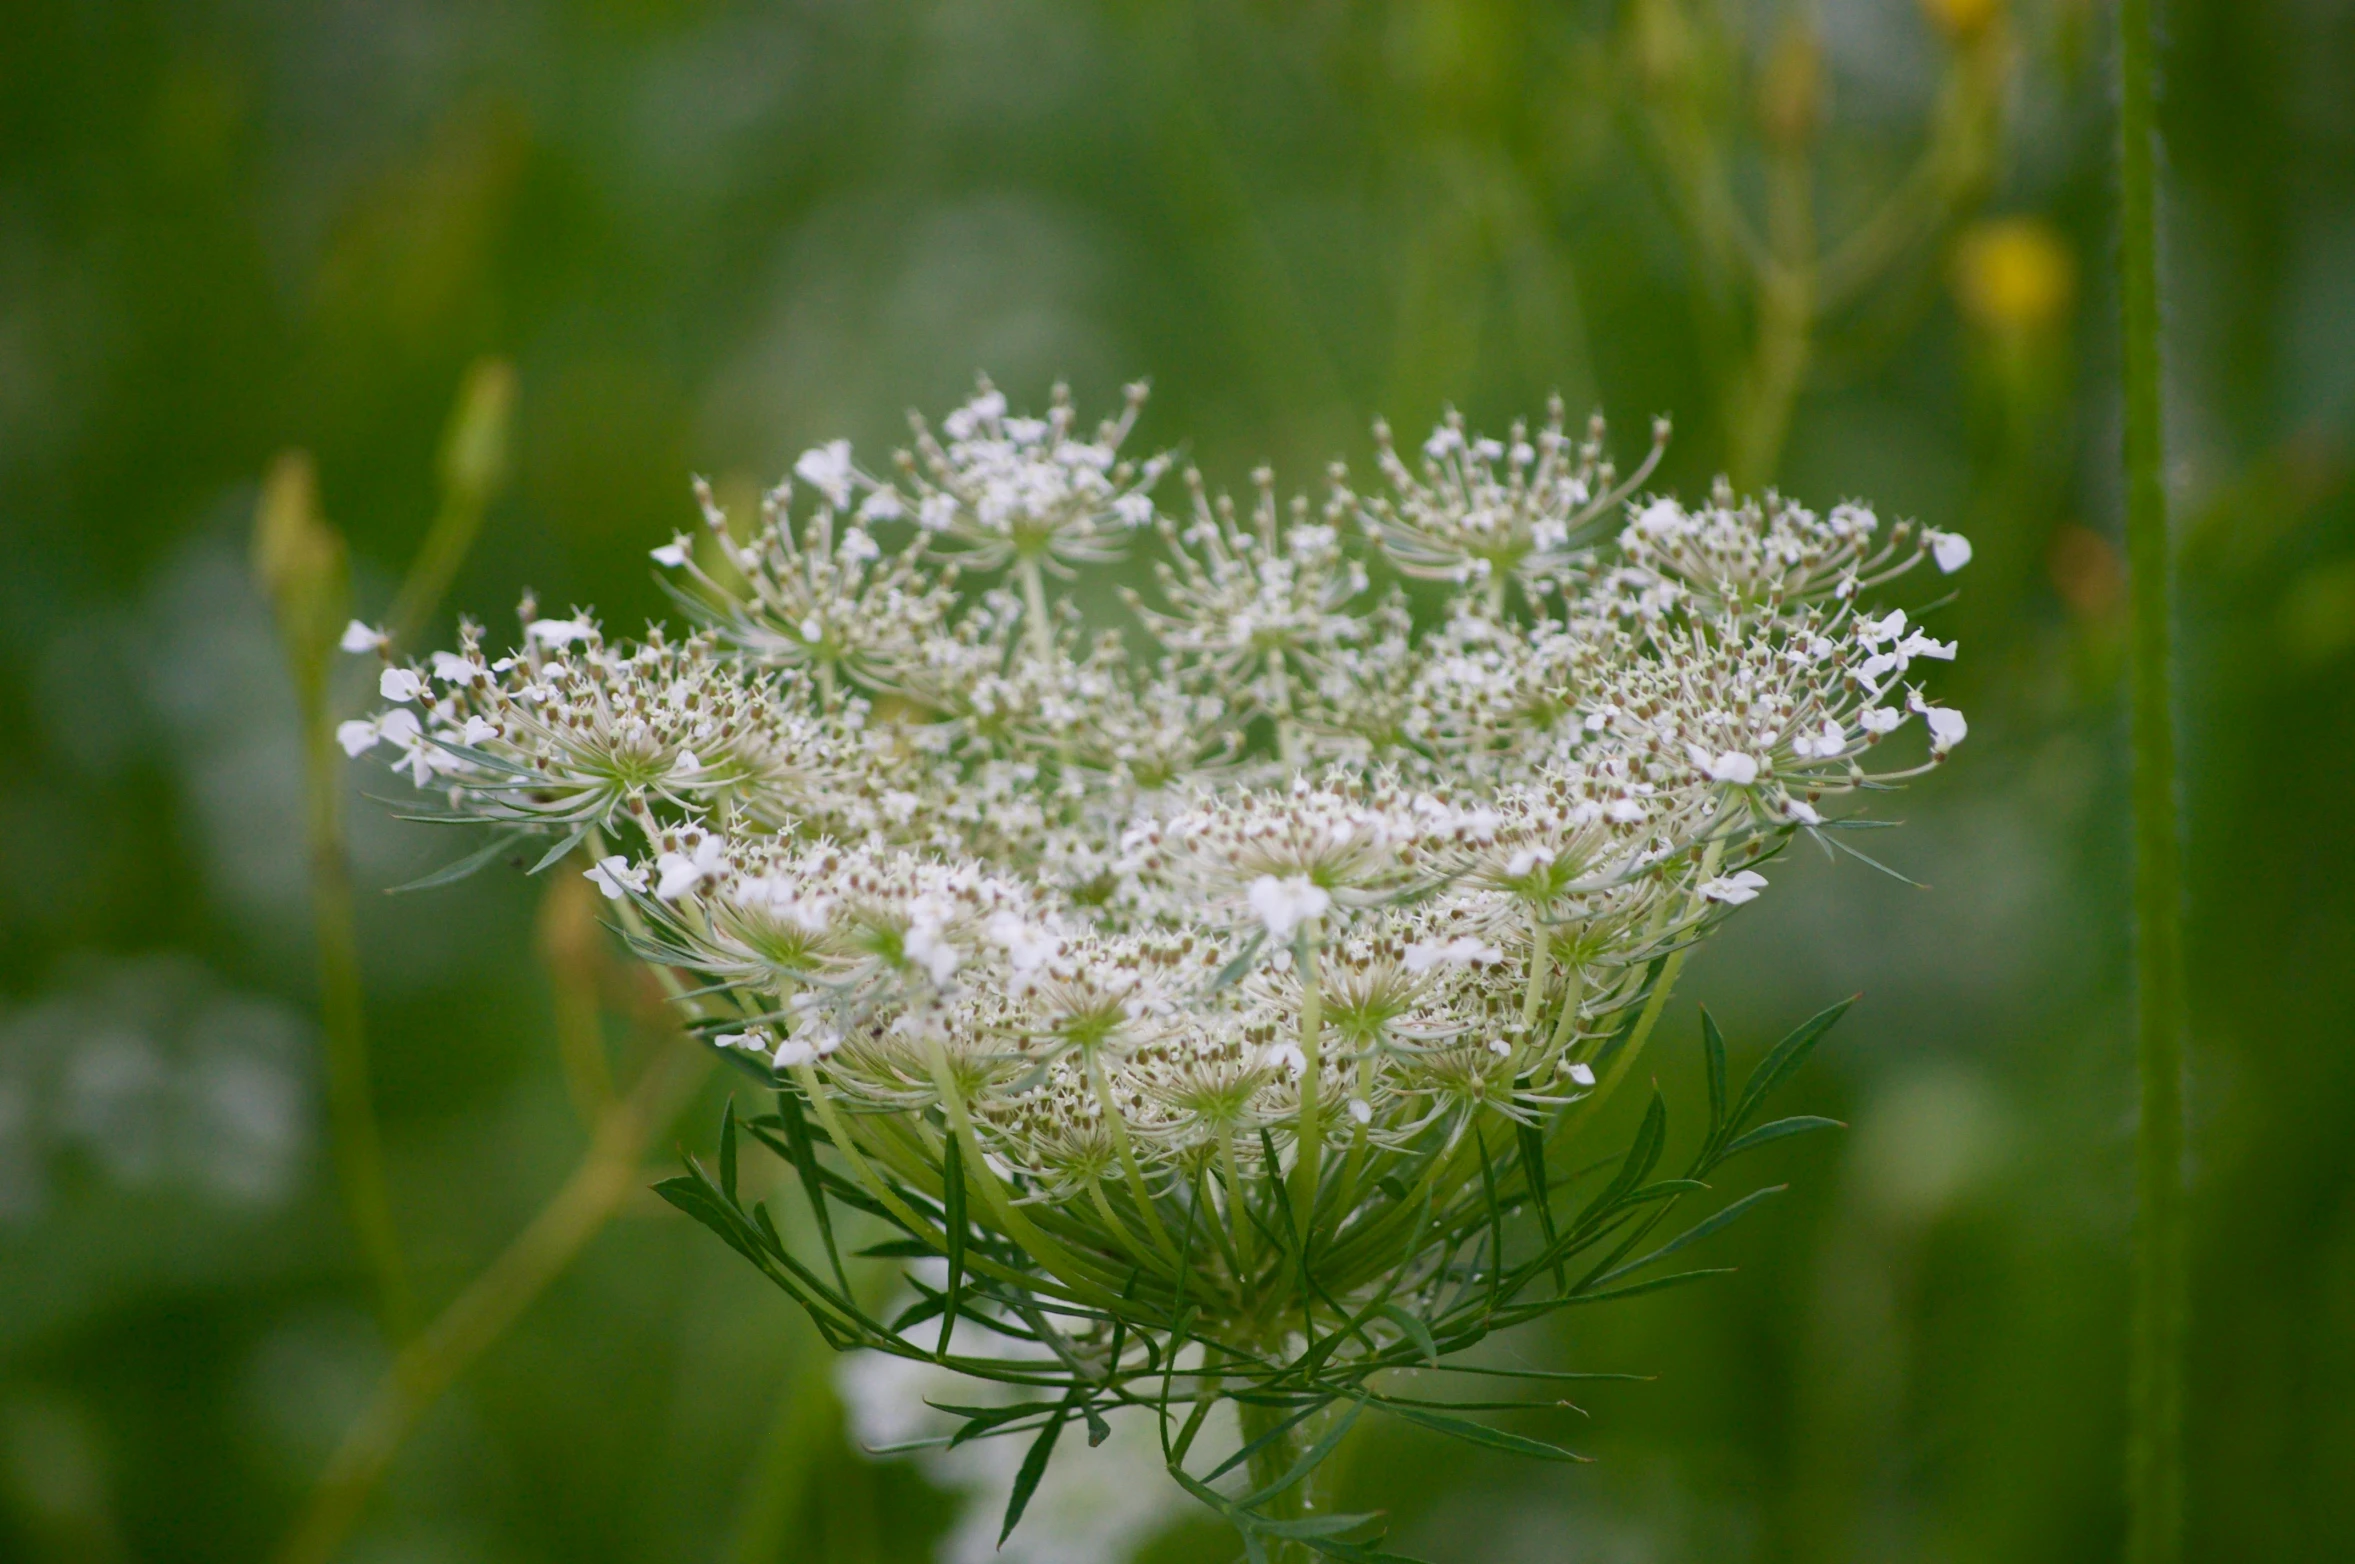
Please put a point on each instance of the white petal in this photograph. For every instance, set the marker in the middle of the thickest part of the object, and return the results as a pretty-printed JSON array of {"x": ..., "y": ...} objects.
[
  {"x": 357, "y": 736},
  {"x": 672, "y": 554},
  {"x": 1951, "y": 550},
  {"x": 358, "y": 637},
  {"x": 399, "y": 684}
]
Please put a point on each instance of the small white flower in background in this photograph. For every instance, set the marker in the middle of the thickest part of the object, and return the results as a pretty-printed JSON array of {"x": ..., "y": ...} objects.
[
  {"x": 1360, "y": 1111},
  {"x": 1951, "y": 550},
  {"x": 672, "y": 554},
  {"x": 399, "y": 684},
  {"x": 1284, "y": 905},
  {"x": 827, "y": 469},
  {"x": 1802, "y": 811},
  {"x": 927, "y": 943},
  {"x": 358, "y": 637},
  {"x": 1734, "y": 889},
  {"x": 558, "y": 632},
  {"x": 1581, "y": 1074},
  {"x": 614, "y": 876},
  {"x": 1879, "y": 719},
  {"x": 1025, "y": 947}
]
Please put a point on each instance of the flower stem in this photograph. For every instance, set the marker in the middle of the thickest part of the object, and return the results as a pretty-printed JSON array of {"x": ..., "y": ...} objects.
[
  {"x": 1662, "y": 987},
  {"x": 478, "y": 1316},
  {"x": 1312, "y": 1130},
  {"x": 1269, "y": 1466},
  {"x": 2154, "y": 1457},
  {"x": 1034, "y": 609}
]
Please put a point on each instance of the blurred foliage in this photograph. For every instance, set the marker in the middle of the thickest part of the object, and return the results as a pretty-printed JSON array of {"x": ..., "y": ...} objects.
[{"x": 706, "y": 236}]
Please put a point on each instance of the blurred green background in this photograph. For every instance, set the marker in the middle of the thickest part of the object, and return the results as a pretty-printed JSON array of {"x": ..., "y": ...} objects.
[{"x": 709, "y": 235}]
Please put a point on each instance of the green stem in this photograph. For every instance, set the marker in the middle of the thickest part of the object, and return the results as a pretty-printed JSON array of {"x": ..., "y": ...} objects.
[
  {"x": 351, "y": 1113},
  {"x": 1711, "y": 857},
  {"x": 1129, "y": 1166},
  {"x": 1034, "y": 609},
  {"x": 476, "y": 1318},
  {"x": 1306, "y": 1160},
  {"x": 2154, "y": 1457},
  {"x": 1270, "y": 1464}
]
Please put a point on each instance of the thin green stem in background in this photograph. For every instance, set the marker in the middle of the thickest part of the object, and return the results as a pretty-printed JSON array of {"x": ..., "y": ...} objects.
[
  {"x": 428, "y": 1365},
  {"x": 299, "y": 561},
  {"x": 472, "y": 464},
  {"x": 2154, "y": 1457}
]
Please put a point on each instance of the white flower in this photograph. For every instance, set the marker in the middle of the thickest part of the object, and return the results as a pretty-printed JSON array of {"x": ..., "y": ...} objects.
[
  {"x": 615, "y": 875},
  {"x": 1872, "y": 632},
  {"x": 686, "y": 765},
  {"x": 827, "y": 469},
  {"x": 451, "y": 668},
  {"x": 1732, "y": 766},
  {"x": 1879, "y": 719},
  {"x": 1461, "y": 951},
  {"x": 1735, "y": 889},
  {"x": 399, "y": 684},
  {"x": 1286, "y": 1056},
  {"x": 1284, "y": 905},
  {"x": 882, "y": 505},
  {"x": 805, "y": 1048},
  {"x": 1951, "y": 550},
  {"x": 682, "y": 872},
  {"x": 478, "y": 730},
  {"x": 357, "y": 736},
  {"x": 1361, "y": 1111},
  {"x": 672, "y": 554},
  {"x": 557, "y": 632},
  {"x": 358, "y": 637},
  {"x": 857, "y": 547},
  {"x": 1582, "y": 1074},
  {"x": 1947, "y": 727},
  {"x": 1826, "y": 745},
  {"x": 926, "y": 943},
  {"x": 1025, "y": 947},
  {"x": 1802, "y": 811}
]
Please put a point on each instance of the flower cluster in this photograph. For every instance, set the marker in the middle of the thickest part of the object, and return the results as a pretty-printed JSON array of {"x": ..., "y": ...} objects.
[{"x": 1278, "y": 905}]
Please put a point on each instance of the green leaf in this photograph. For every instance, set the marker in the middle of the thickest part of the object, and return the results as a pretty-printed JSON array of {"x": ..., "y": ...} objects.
[
  {"x": 1659, "y": 1284},
  {"x": 1713, "y": 1054},
  {"x": 728, "y": 1149},
  {"x": 1233, "y": 971},
  {"x": 804, "y": 1157},
  {"x": 1798, "y": 1124},
  {"x": 557, "y": 853},
  {"x": 1641, "y": 1155},
  {"x": 1786, "y": 1057},
  {"x": 1034, "y": 1465},
  {"x": 1477, "y": 1433},
  {"x": 465, "y": 866},
  {"x": 1417, "y": 1332},
  {"x": 1692, "y": 1235},
  {"x": 952, "y": 1179}
]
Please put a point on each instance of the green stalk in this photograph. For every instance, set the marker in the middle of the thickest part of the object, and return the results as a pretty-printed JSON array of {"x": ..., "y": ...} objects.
[
  {"x": 1270, "y": 1464},
  {"x": 1034, "y": 609},
  {"x": 298, "y": 559},
  {"x": 351, "y": 1111},
  {"x": 1312, "y": 1130},
  {"x": 1711, "y": 857},
  {"x": 2154, "y": 1455}
]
